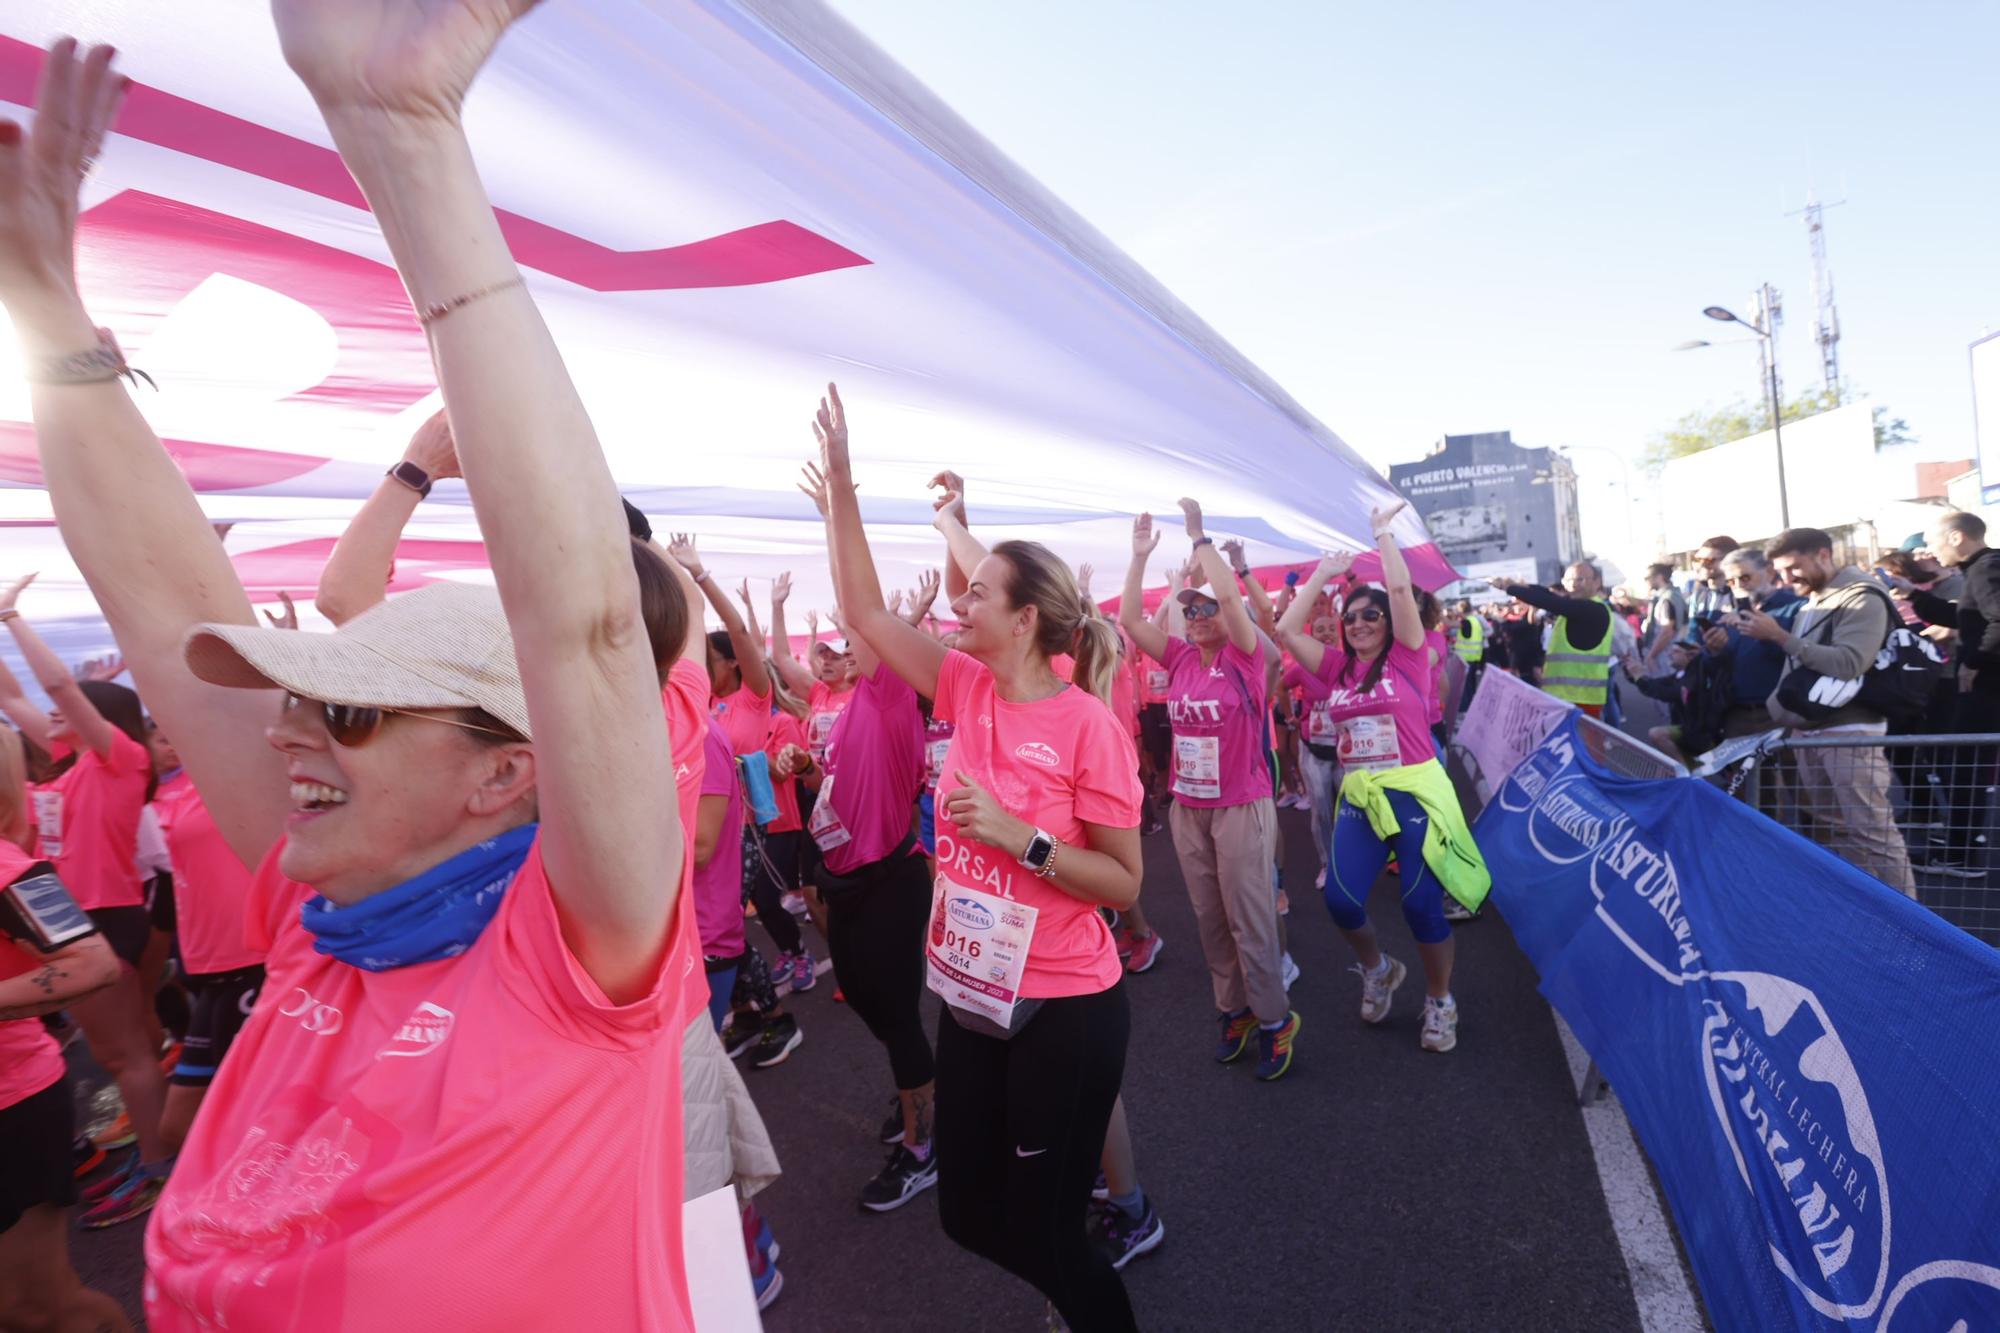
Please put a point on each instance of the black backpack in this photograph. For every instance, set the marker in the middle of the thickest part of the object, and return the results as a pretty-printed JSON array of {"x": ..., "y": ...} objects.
[{"x": 1898, "y": 685}]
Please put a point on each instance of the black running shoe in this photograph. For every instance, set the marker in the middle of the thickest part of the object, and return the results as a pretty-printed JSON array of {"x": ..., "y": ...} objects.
[
  {"x": 775, "y": 1044},
  {"x": 892, "y": 1128},
  {"x": 902, "y": 1179}
]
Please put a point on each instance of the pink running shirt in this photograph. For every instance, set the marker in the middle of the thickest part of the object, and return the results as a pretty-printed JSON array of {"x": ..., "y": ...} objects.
[
  {"x": 1387, "y": 727},
  {"x": 937, "y": 744},
  {"x": 483, "y": 1142},
  {"x": 1057, "y": 763},
  {"x": 88, "y": 821},
  {"x": 684, "y": 698},
  {"x": 718, "y": 886},
  {"x": 30, "y": 1060},
  {"x": 1218, "y": 714},
  {"x": 874, "y": 773},
  {"x": 211, "y": 886},
  {"x": 1440, "y": 648},
  {"x": 785, "y": 730}
]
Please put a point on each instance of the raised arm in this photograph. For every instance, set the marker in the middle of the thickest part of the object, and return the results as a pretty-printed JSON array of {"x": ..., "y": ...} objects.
[
  {"x": 150, "y": 556},
  {"x": 695, "y": 646},
  {"x": 55, "y": 679},
  {"x": 1150, "y": 638},
  {"x": 357, "y": 574},
  {"x": 749, "y": 653},
  {"x": 1404, "y": 617},
  {"x": 966, "y": 549},
  {"x": 1254, "y": 592},
  {"x": 1236, "y": 622},
  {"x": 390, "y": 78},
  {"x": 21, "y": 711},
  {"x": 908, "y": 651},
  {"x": 1307, "y": 651},
  {"x": 923, "y": 597},
  {"x": 797, "y": 676}
]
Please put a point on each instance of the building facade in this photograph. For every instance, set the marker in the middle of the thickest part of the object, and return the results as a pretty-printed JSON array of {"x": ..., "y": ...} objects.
[{"x": 1496, "y": 509}]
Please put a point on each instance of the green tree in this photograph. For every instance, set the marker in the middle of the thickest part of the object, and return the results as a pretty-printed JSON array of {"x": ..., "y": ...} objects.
[{"x": 1710, "y": 426}]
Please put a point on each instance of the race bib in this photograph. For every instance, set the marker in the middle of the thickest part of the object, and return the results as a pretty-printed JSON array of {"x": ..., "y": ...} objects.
[
  {"x": 826, "y": 828},
  {"x": 1198, "y": 767},
  {"x": 938, "y": 750},
  {"x": 977, "y": 951},
  {"x": 1321, "y": 729},
  {"x": 1370, "y": 742},
  {"x": 818, "y": 729},
  {"x": 1156, "y": 682},
  {"x": 48, "y": 822}
]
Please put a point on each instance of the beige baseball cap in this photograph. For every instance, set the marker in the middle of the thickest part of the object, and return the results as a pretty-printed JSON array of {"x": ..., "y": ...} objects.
[{"x": 442, "y": 646}]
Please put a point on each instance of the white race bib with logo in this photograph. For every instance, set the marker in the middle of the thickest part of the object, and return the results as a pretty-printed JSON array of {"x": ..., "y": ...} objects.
[
  {"x": 938, "y": 750},
  {"x": 1156, "y": 682},
  {"x": 977, "y": 951},
  {"x": 1321, "y": 729},
  {"x": 1198, "y": 767},
  {"x": 826, "y": 828},
  {"x": 819, "y": 728},
  {"x": 1370, "y": 742},
  {"x": 48, "y": 823}
]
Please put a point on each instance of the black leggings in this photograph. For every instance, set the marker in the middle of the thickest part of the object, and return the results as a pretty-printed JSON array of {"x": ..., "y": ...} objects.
[
  {"x": 1020, "y": 1130},
  {"x": 875, "y": 926},
  {"x": 781, "y": 850}
]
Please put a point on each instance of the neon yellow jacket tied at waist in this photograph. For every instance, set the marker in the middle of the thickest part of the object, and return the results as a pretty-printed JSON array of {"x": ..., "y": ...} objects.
[{"x": 1449, "y": 849}]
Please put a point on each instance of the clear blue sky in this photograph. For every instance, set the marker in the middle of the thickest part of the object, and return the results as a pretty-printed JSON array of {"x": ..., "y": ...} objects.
[{"x": 1457, "y": 217}]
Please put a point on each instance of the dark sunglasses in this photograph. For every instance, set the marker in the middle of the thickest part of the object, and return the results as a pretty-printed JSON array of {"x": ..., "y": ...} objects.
[
  {"x": 1370, "y": 614},
  {"x": 354, "y": 725},
  {"x": 1203, "y": 610}
]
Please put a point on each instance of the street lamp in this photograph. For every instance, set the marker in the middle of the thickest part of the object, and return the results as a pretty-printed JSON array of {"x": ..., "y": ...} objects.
[{"x": 1768, "y": 335}]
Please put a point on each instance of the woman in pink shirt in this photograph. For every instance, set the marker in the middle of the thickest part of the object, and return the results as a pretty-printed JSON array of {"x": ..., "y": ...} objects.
[
  {"x": 1039, "y": 826},
  {"x": 1376, "y": 685},
  {"x": 461, "y": 804},
  {"x": 87, "y": 824},
  {"x": 874, "y": 879},
  {"x": 51, "y": 957},
  {"x": 1223, "y": 818}
]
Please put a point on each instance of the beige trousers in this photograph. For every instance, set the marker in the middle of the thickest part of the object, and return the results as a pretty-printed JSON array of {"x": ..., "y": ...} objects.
[
  {"x": 1225, "y": 856},
  {"x": 1846, "y": 791}
]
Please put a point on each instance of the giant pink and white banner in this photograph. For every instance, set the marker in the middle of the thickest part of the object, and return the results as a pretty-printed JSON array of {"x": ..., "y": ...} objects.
[{"x": 720, "y": 206}]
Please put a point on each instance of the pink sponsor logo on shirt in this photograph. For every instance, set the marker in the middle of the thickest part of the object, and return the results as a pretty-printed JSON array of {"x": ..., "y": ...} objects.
[{"x": 1037, "y": 753}]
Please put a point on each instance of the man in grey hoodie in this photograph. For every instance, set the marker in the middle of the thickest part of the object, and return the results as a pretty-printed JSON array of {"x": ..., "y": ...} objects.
[{"x": 1846, "y": 620}]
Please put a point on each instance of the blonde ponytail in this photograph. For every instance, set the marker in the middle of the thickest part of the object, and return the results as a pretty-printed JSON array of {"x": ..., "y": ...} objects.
[{"x": 1096, "y": 655}]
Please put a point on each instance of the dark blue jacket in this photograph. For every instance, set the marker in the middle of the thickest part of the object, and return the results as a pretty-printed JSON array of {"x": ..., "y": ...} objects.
[{"x": 1754, "y": 665}]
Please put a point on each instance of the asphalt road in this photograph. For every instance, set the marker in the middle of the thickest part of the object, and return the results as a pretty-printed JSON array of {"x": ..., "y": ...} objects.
[{"x": 1376, "y": 1186}]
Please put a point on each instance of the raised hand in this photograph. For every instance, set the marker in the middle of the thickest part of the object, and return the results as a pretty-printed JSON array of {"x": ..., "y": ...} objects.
[
  {"x": 109, "y": 667},
  {"x": 1233, "y": 549},
  {"x": 743, "y": 595},
  {"x": 681, "y": 547},
  {"x": 896, "y": 599},
  {"x": 12, "y": 592},
  {"x": 1333, "y": 564},
  {"x": 42, "y": 170},
  {"x": 1191, "y": 513},
  {"x": 432, "y": 449},
  {"x": 830, "y": 429},
  {"x": 781, "y": 589},
  {"x": 1379, "y": 519},
  {"x": 290, "y": 618},
  {"x": 815, "y": 487},
  {"x": 953, "y": 499},
  {"x": 412, "y": 59},
  {"x": 1145, "y": 538},
  {"x": 928, "y": 583},
  {"x": 812, "y": 624},
  {"x": 1083, "y": 573}
]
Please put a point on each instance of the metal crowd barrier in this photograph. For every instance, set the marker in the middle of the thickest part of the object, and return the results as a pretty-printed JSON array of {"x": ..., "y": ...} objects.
[{"x": 1940, "y": 815}]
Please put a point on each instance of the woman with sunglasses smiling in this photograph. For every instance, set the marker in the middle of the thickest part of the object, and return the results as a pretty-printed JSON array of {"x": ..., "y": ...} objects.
[
  {"x": 1394, "y": 793},
  {"x": 462, "y": 1086},
  {"x": 1223, "y": 818}
]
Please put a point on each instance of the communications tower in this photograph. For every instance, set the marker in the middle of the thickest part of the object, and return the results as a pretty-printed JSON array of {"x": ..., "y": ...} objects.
[{"x": 1827, "y": 319}]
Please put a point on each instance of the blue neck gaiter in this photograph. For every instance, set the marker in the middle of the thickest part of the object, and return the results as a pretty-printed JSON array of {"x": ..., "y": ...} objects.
[{"x": 439, "y": 914}]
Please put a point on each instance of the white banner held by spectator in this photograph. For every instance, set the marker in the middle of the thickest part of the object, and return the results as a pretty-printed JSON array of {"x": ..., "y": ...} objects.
[{"x": 1507, "y": 720}]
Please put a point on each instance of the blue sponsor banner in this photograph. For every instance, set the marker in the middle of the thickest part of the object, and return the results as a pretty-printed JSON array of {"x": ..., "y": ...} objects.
[{"x": 1811, "y": 1060}]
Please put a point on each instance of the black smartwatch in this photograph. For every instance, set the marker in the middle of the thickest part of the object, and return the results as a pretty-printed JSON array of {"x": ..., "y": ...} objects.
[
  {"x": 1040, "y": 848},
  {"x": 412, "y": 476}
]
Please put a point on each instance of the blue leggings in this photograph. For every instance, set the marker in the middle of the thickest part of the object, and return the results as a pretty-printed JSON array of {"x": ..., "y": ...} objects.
[{"x": 1358, "y": 858}]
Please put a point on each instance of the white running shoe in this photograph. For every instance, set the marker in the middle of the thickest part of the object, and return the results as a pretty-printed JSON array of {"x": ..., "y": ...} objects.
[
  {"x": 1290, "y": 971},
  {"x": 1440, "y": 1023},
  {"x": 1377, "y": 987}
]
